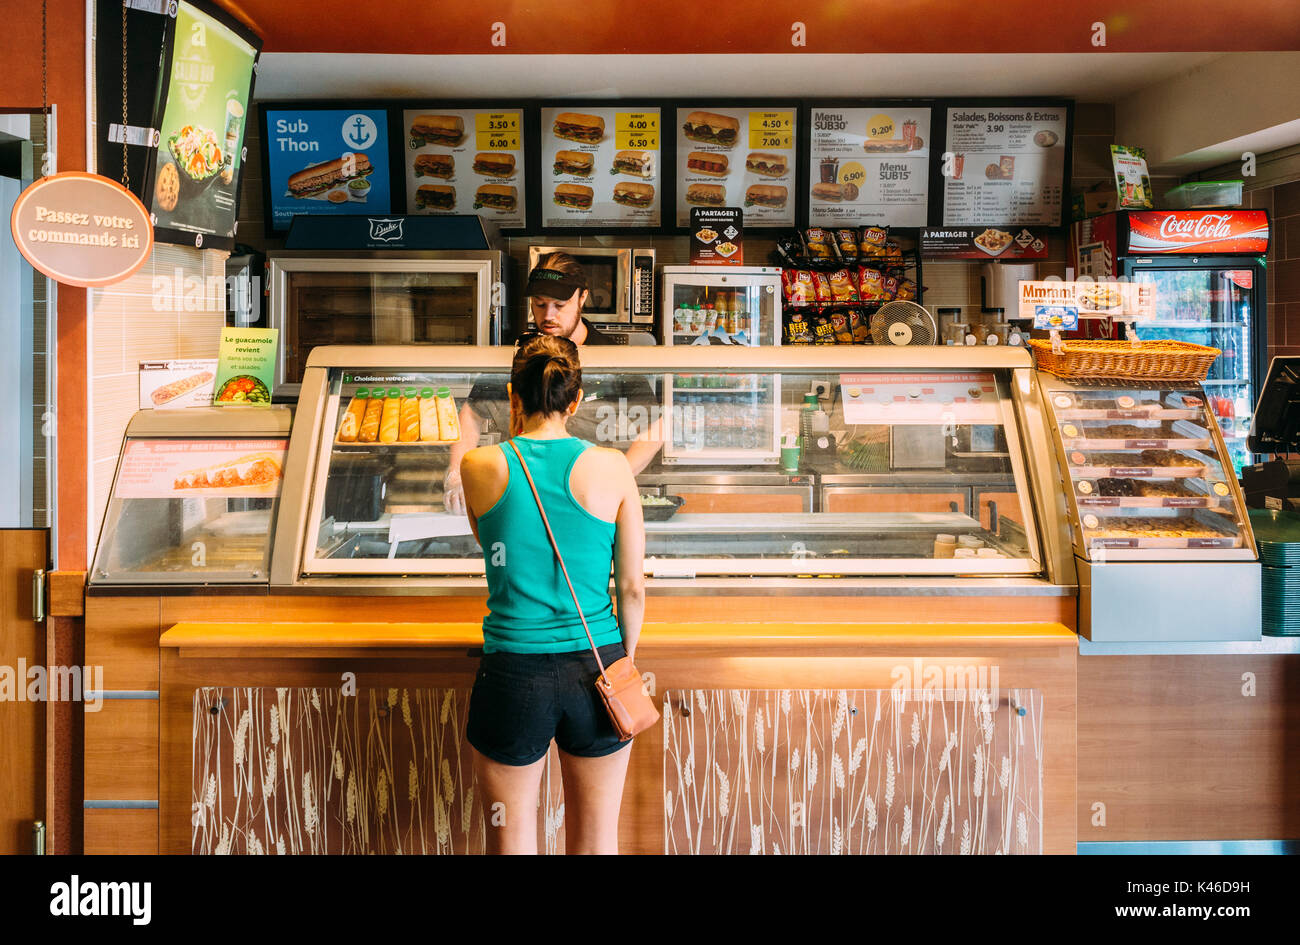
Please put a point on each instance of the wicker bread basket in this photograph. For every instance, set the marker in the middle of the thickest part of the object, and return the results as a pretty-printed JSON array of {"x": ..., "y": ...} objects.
[{"x": 1122, "y": 360}]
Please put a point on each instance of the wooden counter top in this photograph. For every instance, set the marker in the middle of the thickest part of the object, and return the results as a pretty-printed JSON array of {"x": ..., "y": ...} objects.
[{"x": 312, "y": 639}]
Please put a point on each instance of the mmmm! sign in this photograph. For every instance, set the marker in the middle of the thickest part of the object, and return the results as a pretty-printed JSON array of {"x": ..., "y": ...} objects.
[
  {"x": 81, "y": 229},
  {"x": 1129, "y": 301}
]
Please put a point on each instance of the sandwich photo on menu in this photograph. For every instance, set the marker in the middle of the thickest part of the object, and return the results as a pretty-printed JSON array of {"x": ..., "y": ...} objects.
[
  {"x": 771, "y": 196},
  {"x": 706, "y": 195},
  {"x": 828, "y": 192},
  {"x": 575, "y": 196},
  {"x": 575, "y": 163},
  {"x": 435, "y": 197},
  {"x": 317, "y": 179},
  {"x": 447, "y": 130},
  {"x": 496, "y": 197},
  {"x": 575, "y": 126},
  {"x": 709, "y": 163},
  {"x": 711, "y": 128},
  {"x": 634, "y": 194},
  {"x": 633, "y": 163},
  {"x": 768, "y": 165},
  {"x": 494, "y": 165},
  {"x": 435, "y": 165}
]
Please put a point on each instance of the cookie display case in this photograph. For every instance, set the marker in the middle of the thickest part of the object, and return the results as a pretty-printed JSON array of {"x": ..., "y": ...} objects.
[{"x": 1159, "y": 525}]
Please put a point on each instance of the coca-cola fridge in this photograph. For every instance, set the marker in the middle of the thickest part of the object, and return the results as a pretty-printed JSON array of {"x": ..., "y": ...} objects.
[{"x": 1208, "y": 270}]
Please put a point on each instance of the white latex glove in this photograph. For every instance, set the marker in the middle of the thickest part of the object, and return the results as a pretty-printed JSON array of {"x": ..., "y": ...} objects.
[{"x": 453, "y": 493}]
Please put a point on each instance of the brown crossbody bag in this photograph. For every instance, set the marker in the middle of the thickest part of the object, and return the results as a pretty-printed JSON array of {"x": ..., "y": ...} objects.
[{"x": 630, "y": 709}]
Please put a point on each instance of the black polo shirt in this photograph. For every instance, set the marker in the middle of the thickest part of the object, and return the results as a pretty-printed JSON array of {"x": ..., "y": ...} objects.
[{"x": 615, "y": 408}]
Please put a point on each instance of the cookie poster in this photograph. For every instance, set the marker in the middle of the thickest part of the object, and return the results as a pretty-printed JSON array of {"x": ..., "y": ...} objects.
[{"x": 201, "y": 134}]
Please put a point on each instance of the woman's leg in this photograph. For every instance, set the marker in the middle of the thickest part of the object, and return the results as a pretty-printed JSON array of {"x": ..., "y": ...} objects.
[
  {"x": 509, "y": 795},
  {"x": 593, "y": 793}
]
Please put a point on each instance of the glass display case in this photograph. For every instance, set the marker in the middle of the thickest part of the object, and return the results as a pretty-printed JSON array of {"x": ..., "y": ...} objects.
[
  {"x": 195, "y": 497},
  {"x": 1149, "y": 474},
  {"x": 370, "y": 501},
  {"x": 427, "y": 298}
]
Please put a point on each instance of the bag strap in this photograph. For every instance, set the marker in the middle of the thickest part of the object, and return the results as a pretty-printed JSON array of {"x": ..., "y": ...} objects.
[{"x": 558, "y": 557}]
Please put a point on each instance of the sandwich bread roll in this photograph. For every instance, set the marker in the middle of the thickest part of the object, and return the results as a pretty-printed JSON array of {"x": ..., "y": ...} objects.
[
  {"x": 369, "y": 431},
  {"x": 350, "y": 425},
  {"x": 573, "y": 195},
  {"x": 634, "y": 194},
  {"x": 829, "y": 192},
  {"x": 577, "y": 126},
  {"x": 706, "y": 195},
  {"x": 766, "y": 195},
  {"x": 766, "y": 164},
  {"x": 493, "y": 164},
  {"x": 428, "y": 416},
  {"x": 409, "y": 419},
  {"x": 435, "y": 165},
  {"x": 708, "y": 163},
  {"x": 438, "y": 129},
  {"x": 712, "y": 128},
  {"x": 577, "y": 163},
  {"x": 391, "y": 418}
]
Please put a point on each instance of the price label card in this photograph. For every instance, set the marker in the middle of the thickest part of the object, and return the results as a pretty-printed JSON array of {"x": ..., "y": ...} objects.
[
  {"x": 880, "y": 127},
  {"x": 497, "y": 131},
  {"x": 769, "y": 130},
  {"x": 636, "y": 131},
  {"x": 1064, "y": 317}
]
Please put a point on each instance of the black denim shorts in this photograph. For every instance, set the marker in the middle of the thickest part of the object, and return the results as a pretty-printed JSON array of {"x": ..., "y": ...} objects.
[{"x": 521, "y": 701}]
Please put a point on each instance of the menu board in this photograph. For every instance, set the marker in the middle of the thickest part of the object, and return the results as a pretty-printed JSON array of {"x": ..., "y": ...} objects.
[
  {"x": 1004, "y": 164},
  {"x": 600, "y": 167},
  {"x": 201, "y": 132},
  {"x": 737, "y": 157},
  {"x": 326, "y": 161},
  {"x": 466, "y": 161},
  {"x": 869, "y": 165}
]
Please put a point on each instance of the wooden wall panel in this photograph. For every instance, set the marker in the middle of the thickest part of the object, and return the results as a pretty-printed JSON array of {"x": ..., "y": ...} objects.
[
  {"x": 1174, "y": 750},
  {"x": 121, "y": 831},
  {"x": 122, "y": 637},
  {"x": 122, "y": 751},
  {"x": 22, "y": 722}
]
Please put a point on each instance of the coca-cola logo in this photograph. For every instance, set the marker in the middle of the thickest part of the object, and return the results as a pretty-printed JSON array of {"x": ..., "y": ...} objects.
[{"x": 1215, "y": 226}]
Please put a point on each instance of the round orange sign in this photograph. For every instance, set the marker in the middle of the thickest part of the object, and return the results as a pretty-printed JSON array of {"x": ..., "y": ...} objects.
[{"x": 82, "y": 229}]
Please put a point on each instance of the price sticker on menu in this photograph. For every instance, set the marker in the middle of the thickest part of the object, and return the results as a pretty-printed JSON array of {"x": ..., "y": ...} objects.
[
  {"x": 880, "y": 128},
  {"x": 497, "y": 131},
  {"x": 771, "y": 130},
  {"x": 636, "y": 131}
]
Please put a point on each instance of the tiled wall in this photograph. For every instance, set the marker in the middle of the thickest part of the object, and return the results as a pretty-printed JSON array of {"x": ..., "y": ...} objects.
[
  {"x": 146, "y": 318},
  {"x": 1283, "y": 203}
]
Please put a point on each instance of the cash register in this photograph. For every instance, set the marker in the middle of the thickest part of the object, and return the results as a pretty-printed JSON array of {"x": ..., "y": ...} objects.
[{"x": 1275, "y": 429}]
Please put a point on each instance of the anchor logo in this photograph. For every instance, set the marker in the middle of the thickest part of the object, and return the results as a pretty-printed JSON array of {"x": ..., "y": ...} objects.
[{"x": 359, "y": 132}]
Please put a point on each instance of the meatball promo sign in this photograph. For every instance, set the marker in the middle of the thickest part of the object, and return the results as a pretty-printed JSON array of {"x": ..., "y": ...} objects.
[{"x": 81, "y": 229}]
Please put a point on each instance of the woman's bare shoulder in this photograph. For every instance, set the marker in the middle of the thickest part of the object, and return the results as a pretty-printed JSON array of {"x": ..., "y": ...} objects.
[
  {"x": 607, "y": 459},
  {"x": 482, "y": 459}
]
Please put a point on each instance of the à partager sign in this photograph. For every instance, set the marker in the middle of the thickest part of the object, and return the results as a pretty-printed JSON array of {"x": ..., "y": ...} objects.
[{"x": 81, "y": 229}]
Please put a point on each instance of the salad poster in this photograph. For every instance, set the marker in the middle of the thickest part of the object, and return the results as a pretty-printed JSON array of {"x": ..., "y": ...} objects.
[
  {"x": 201, "y": 134},
  {"x": 326, "y": 161}
]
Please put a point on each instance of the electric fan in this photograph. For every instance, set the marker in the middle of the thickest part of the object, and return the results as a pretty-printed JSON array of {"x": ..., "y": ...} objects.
[{"x": 903, "y": 323}]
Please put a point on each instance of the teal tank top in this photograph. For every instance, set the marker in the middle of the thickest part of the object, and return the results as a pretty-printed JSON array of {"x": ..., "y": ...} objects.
[{"x": 530, "y": 609}]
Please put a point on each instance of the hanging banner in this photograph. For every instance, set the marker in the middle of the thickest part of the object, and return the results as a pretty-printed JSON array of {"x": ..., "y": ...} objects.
[{"x": 81, "y": 229}]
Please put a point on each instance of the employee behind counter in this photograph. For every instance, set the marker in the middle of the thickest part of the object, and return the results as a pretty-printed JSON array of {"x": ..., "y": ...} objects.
[{"x": 616, "y": 411}]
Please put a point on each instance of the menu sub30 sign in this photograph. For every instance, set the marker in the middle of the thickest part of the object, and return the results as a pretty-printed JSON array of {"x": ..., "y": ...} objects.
[
  {"x": 1004, "y": 165},
  {"x": 466, "y": 161},
  {"x": 600, "y": 167},
  {"x": 869, "y": 165},
  {"x": 737, "y": 157}
]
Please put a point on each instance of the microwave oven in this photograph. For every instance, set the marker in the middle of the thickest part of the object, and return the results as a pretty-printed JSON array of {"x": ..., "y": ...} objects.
[{"x": 620, "y": 283}]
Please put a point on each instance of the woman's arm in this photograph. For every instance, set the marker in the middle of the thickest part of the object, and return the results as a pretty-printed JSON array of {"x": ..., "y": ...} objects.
[{"x": 629, "y": 561}]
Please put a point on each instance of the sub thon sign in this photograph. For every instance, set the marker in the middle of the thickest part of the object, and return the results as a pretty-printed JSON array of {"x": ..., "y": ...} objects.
[{"x": 82, "y": 229}]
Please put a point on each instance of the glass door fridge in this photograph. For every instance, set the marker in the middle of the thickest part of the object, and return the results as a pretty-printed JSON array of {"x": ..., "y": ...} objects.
[
  {"x": 714, "y": 305},
  {"x": 436, "y": 298},
  {"x": 1209, "y": 271}
]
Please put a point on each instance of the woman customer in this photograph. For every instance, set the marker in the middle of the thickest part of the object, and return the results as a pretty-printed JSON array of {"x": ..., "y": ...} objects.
[{"x": 536, "y": 681}]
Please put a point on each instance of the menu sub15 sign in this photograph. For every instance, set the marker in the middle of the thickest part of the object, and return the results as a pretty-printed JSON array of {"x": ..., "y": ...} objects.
[{"x": 82, "y": 229}]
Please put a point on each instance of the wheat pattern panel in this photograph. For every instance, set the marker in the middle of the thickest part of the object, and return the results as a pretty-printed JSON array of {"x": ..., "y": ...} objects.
[
  {"x": 316, "y": 771},
  {"x": 853, "y": 771}
]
